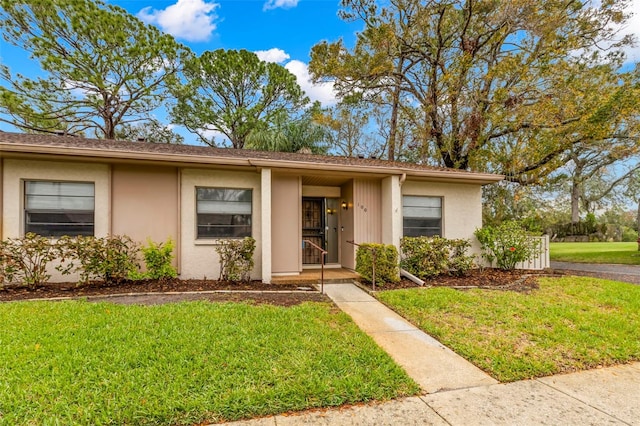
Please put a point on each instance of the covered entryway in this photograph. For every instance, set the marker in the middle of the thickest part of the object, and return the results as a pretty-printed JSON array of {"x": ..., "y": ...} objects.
[{"x": 329, "y": 211}]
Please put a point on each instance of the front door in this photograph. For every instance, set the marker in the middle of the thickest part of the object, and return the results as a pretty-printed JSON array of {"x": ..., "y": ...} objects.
[{"x": 313, "y": 229}]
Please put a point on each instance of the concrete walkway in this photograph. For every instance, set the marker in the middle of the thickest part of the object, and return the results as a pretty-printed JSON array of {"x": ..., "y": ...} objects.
[
  {"x": 625, "y": 273},
  {"x": 599, "y": 397},
  {"x": 433, "y": 366}
]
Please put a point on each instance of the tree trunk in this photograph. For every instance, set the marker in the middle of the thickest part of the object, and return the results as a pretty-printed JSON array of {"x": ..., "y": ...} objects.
[
  {"x": 575, "y": 202},
  {"x": 638, "y": 223},
  {"x": 576, "y": 188},
  {"x": 393, "y": 125}
]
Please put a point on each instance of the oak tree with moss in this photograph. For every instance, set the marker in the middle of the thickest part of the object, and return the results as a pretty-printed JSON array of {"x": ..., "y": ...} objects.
[{"x": 504, "y": 86}]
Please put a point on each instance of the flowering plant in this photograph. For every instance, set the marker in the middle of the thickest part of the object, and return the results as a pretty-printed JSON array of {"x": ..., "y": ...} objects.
[{"x": 507, "y": 244}]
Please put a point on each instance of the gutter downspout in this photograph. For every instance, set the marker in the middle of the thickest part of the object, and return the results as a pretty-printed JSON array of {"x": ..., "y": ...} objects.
[{"x": 411, "y": 277}]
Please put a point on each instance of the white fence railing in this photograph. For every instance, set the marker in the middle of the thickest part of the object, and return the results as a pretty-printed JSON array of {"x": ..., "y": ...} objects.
[{"x": 541, "y": 259}]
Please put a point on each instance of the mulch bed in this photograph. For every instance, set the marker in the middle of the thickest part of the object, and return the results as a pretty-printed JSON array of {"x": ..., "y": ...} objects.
[
  {"x": 278, "y": 294},
  {"x": 522, "y": 281},
  {"x": 154, "y": 292}
]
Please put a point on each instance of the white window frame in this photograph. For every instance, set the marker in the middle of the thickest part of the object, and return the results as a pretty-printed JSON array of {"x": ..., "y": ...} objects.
[
  {"x": 234, "y": 210},
  {"x": 415, "y": 209},
  {"x": 56, "y": 198}
]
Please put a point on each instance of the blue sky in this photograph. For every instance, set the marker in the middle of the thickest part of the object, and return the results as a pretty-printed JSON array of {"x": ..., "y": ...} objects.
[
  {"x": 235, "y": 24},
  {"x": 281, "y": 31}
]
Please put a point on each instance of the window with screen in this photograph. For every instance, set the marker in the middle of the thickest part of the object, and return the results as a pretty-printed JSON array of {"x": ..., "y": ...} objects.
[
  {"x": 421, "y": 216},
  {"x": 223, "y": 212},
  {"x": 54, "y": 209}
]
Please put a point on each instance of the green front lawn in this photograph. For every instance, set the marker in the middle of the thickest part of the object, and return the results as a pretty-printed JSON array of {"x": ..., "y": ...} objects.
[
  {"x": 569, "y": 324},
  {"x": 85, "y": 363},
  {"x": 624, "y": 253}
]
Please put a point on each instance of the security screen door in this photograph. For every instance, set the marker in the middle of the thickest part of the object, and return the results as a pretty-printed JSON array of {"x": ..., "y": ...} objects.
[{"x": 313, "y": 229}]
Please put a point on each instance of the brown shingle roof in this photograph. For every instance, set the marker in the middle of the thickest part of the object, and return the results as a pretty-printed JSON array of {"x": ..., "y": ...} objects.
[{"x": 72, "y": 145}]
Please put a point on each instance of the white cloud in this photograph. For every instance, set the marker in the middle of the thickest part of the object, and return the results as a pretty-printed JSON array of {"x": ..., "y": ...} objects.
[
  {"x": 633, "y": 27},
  {"x": 630, "y": 27},
  {"x": 274, "y": 4},
  {"x": 219, "y": 138},
  {"x": 272, "y": 55},
  {"x": 190, "y": 20},
  {"x": 322, "y": 92}
]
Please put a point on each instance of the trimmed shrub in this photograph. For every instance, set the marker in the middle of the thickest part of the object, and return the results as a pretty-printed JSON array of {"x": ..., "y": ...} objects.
[
  {"x": 25, "y": 259},
  {"x": 236, "y": 259},
  {"x": 111, "y": 259},
  {"x": 425, "y": 257},
  {"x": 428, "y": 257},
  {"x": 386, "y": 262},
  {"x": 157, "y": 259},
  {"x": 587, "y": 227},
  {"x": 507, "y": 244}
]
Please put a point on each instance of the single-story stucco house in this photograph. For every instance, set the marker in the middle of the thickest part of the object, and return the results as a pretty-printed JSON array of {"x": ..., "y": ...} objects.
[{"x": 55, "y": 185}]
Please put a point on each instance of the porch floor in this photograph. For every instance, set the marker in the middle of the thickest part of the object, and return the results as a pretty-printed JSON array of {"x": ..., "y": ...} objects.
[{"x": 312, "y": 276}]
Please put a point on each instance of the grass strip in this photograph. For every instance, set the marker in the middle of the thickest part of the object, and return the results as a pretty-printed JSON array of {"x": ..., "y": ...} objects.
[
  {"x": 620, "y": 253},
  {"x": 569, "y": 324},
  {"x": 98, "y": 363}
]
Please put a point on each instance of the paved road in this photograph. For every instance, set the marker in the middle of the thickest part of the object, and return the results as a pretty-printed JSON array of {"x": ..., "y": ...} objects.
[{"x": 625, "y": 273}]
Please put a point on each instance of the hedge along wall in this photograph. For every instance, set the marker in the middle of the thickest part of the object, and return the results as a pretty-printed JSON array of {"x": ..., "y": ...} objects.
[{"x": 386, "y": 262}]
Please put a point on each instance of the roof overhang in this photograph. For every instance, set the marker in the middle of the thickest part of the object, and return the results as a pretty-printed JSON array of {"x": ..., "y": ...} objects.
[{"x": 188, "y": 160}]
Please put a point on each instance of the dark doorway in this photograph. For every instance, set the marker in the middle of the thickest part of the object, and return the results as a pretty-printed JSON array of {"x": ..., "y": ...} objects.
[{"x": 313, "y": 229}]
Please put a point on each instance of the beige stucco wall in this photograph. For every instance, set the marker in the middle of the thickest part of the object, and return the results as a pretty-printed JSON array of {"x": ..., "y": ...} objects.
[
  {"x": 286, "y": 229},
  {"x": 1, "y": 192},
  {"x": 145, "y": 203},
  {"x": 321, "y": 191},
  {"x": 15, "y": 172},
  {"x": 198, "y": 257},
  {"x": 461, "y": 208}
]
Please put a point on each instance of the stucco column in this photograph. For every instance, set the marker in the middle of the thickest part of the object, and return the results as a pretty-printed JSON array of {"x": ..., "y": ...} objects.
[
  {"x": 265, "y": 190},
  {"x": 391, "y": 211},
  {"x": 2, "y": 192}
]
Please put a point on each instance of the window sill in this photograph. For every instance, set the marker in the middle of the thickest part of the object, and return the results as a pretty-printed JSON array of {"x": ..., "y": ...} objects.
[
  {"x": 207, "y": 242},
  {"x": 213, "y": 241}
]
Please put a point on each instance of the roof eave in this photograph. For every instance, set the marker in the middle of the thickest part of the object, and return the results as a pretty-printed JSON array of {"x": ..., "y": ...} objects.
[
  {"x": 440, "y": 175},
  {"x": 445, "y": 175}
]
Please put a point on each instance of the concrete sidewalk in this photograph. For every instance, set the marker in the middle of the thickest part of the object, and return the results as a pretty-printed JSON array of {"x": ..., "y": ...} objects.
[{"x": 607, "y": 396}]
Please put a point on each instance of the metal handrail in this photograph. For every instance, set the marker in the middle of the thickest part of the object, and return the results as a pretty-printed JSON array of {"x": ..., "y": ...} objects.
[
  {"x": 323, "y": 253},
  {"x": 373, "y": 263}
]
